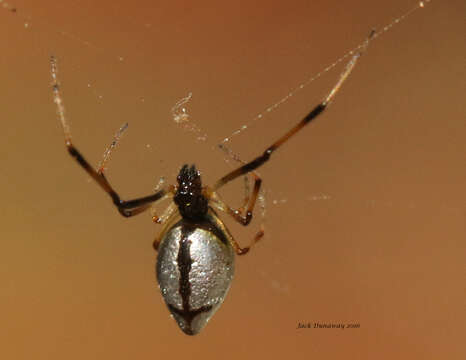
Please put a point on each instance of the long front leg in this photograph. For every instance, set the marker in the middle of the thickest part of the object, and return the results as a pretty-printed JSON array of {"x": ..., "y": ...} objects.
[
  {"x": 260, "y": 160},
  {"x": 126, "y": 208},
  {"x": 314, "y": 113}
]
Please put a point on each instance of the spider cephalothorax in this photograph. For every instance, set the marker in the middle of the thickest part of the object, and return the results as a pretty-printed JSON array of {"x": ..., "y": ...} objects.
[{"x": 192, "y": 204}]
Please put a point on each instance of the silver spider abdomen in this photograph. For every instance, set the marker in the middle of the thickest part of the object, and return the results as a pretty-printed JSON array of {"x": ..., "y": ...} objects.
[{"x": 195, "y": 267}]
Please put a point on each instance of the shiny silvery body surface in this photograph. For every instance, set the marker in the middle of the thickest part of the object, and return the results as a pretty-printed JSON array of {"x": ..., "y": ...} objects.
[{"x": 195, "y": 267}]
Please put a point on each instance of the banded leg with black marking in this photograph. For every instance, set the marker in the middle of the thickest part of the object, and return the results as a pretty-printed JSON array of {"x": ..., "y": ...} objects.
[
  {"x": 219, "y": 204},
  {"x": 313, "y": 114},
  {"x": 260, "y": 160},
  {"x": 126, "y": 208}
]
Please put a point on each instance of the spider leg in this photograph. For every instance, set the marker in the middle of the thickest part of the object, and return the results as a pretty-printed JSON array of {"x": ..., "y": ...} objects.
[
  {"x": 236, "y": 214},
  {"x": 247, "y": 193},
  {"x": 234, "y": 156},
  {"x": 243, "y": 214},
  {"x": 126, "y": 208},
  {"x": 219, "y": 204},
  {"x": 169, "y": 211},
  {"x": 167, "y": 214},
  {"x": 243, "y": 251},
  {"x": 314, "y": 113},
  {"x": 155, "y": 218},
  {"x": 247, "y": 196},
  {"x": 260, "y": 160},
  {"x": 250, "y": 200}
]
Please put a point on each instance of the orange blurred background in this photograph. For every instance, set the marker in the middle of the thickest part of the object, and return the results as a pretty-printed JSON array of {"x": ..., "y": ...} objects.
[{"x": 365, "y": 215}]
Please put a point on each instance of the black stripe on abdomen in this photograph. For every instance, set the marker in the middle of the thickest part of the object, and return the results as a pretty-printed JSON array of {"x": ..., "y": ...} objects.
[{"x": 184, "y": 266}]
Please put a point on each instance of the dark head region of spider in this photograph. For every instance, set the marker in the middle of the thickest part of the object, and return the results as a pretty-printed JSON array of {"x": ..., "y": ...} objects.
[{"x": 191, "y": 203}]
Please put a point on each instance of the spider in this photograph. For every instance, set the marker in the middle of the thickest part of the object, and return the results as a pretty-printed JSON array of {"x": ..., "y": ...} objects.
[{"x": 195, "y": 261}]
